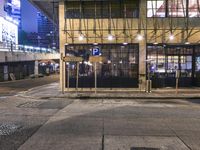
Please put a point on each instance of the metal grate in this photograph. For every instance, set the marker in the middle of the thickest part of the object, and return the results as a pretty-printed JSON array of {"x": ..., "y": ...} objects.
[
  {"x": 33, "y": 104},
  {"x": 57, "y": 104},
  {"x": 144, "y": 148},
  {"x": 7, "y": 129}
]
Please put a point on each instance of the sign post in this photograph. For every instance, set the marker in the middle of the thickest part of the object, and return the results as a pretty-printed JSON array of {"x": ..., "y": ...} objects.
[
  {"x": 177, "y": 79},
  {"x": 95, "y": 76},
  {"x": 77, "y": 74},
  {"x": 68, "y": 77},
  {"x": 62, "y": 73},
  {"x": 70, "y": 59}
]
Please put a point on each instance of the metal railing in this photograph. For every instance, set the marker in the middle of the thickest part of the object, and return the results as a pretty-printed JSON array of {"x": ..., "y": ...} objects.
[{"x": 9, "y": 47}]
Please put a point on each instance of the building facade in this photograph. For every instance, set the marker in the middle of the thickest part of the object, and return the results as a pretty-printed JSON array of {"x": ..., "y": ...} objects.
[
  {"x": 138, "y": 40},
  {"x": 47, "y": 32}
]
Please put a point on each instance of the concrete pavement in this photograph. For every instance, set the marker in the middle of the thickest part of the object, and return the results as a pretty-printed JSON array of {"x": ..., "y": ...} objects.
[
  {"x": 118, "y": 125},
  {"x": 53, "y": 91},
  {"x": 43, "y": 118}
]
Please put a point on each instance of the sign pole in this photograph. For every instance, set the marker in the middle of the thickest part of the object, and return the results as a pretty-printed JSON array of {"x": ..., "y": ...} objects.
[
  {"x": 62, "y": 72},
  {"x": 68, "y": 77},
  {"x": 177, "y": 79},
  {"x": 95, "y": 76},
  {"x": 176, "y": 86},
  {"x": 77, "y": 76}
]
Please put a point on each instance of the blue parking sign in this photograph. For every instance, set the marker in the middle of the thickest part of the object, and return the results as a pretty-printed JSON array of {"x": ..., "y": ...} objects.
[{"x": 96, "y": 51}]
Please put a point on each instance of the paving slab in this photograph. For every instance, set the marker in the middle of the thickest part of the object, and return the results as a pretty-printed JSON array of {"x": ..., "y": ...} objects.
[{"x": 131, "y": 142}]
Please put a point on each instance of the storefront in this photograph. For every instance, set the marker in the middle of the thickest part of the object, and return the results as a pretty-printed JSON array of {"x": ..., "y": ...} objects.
[
  {"x": 119, "y": 68},
  {"x": 166, "y": 59}
]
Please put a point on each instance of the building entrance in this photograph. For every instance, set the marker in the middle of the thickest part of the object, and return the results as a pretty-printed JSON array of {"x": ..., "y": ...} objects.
[
  {"x": 167, "y": 59},
  {"x": 117, "y": 69}
]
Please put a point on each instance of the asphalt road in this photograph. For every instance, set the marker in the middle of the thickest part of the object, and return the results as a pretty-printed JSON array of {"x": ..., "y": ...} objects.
[
  {"x": 13, "y": 87},
  {"x": 64, "y": 124}
]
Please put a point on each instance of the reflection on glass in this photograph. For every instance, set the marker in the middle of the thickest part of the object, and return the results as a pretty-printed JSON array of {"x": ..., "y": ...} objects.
[
  {"x": 167, "y": 60},
  {"x": 156, "y": 8},
  {"x": 194, "y": 8},
  {"x": 177, "y": 8}
]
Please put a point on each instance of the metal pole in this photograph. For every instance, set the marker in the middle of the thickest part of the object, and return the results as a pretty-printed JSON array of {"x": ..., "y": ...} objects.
[
  {"x": 176, "y": 86},
  {"x": 77, "y": 76},
  {"x": 62, "y": 72},
  {"x": 95, "y": 76},
  {"x": 68, "y": 77}
]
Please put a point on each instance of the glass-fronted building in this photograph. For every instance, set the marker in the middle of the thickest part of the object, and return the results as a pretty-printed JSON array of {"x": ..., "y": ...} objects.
[{"x": 129, "y": 34}]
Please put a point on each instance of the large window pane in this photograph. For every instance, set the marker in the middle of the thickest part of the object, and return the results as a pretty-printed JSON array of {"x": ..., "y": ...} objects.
[
  {"x": 102, "y": 9},
  {"x": 156, "y": 8},
  {"x": 194, "y": 8},
  {"x": 177, "y": 8}
]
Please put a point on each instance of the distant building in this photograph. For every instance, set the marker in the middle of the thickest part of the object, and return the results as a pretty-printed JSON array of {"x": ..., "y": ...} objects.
[
  {"x": 10, "y": 17},
  {"x": 47, "y": 32}
]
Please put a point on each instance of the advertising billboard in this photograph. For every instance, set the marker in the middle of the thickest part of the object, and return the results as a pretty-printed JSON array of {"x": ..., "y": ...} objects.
[
  {"x": 8, "y": 31},
  {"x": 12, "y": 8},
  {"x": 2, "y": 4}
]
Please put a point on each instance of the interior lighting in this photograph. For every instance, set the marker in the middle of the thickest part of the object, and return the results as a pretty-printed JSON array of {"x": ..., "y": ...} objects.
[
  {"x": 139, "y": 37},
  {"x": 187, "y": 43},
  {"x": 110, "y": 37},
  {"x": 125, "y": 43},
  {"x": 81, "y": 37},
  {"x": 171, "y": 37}
]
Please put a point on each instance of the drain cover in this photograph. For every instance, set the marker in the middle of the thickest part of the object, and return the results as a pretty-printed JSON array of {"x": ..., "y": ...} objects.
[
  {"x": 33, "y": 104},
  {"x": 45, "y": 104},
  {"x": 7, "y": 129},
  {"x": 144, "y": 148}
]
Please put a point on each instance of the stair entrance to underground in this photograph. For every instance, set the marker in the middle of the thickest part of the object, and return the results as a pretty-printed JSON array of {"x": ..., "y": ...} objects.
[{"x": 106, "y": 66}]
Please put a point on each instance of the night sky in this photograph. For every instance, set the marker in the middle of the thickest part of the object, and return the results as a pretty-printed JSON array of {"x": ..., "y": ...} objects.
[{"x": 29, "y": 16}]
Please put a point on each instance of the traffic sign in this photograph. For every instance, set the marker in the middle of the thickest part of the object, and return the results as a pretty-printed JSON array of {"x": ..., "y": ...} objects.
[
  {"x": 96, "y": 51},
  {"x": 72, "y": 59}
]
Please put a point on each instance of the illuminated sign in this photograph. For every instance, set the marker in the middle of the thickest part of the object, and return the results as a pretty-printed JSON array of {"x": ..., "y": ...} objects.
[
  {"x": 8, "y": 31},
  {"x": 12, "y": 8}
]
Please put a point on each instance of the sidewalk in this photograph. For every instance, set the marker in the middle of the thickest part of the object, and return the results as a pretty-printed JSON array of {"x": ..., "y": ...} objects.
[{"x": 53, "y": 91}]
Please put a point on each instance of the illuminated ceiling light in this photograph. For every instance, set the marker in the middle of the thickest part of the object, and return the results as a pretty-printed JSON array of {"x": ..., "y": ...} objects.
[
  {"x": 110, "y": 37},
  {"x": 125, "y": 43},
  {"x": 95, "y": 43},
  {"x": 187, "y": 43},
  {"x": 155, "y": 43},
  {"x": 171, "y": 37},
  {"x": 139, "y": 37},
  {"x": 81, "y": 37},
  {"x": 66, "y": 44}
]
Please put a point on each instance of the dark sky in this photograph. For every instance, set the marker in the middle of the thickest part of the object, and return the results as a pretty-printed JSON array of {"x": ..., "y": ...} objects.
[{"x": 29, "y": 16}]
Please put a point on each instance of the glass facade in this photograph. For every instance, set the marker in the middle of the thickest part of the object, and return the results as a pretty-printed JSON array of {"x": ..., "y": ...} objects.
[
  {"x": 119, "y": 68},
  {"x": 103, "y": 9},
  {"x": 173, "y": 8},
  {"x": 177, "y": 8},
  {"x": 194, "y": 8},
  {"x": 156, "y": 8},
  {"x": 166, "y": 60}
]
